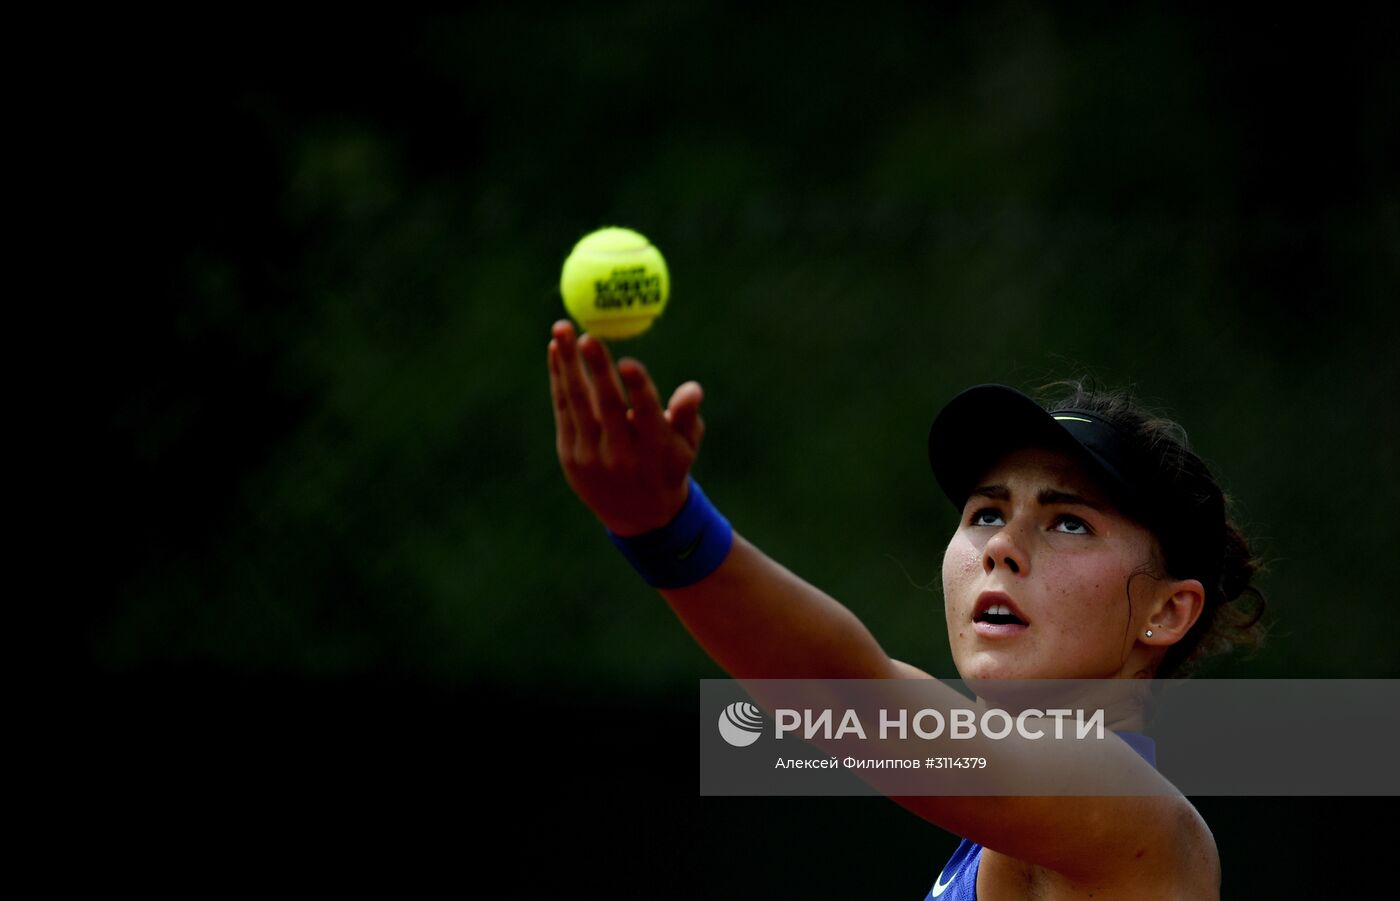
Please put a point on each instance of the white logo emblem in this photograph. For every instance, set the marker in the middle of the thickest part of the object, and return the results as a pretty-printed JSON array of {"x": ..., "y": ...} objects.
[
  {"x": 740, "y": 724},
  {"x": 939, "y": 886}
]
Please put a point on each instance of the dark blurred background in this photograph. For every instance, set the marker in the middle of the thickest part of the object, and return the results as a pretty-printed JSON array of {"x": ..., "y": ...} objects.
[{"x": 346, "y": 601}]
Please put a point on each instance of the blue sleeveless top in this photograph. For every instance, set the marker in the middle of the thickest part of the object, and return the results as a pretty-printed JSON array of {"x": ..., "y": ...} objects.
[{"x": 958, "y": 881}]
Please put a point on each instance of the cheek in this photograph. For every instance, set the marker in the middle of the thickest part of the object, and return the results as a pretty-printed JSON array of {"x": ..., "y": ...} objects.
[
  {"x": 961, "y": 563},
  {"x": 961, "y": 568},
  {"x": 1088, "y": 594}
]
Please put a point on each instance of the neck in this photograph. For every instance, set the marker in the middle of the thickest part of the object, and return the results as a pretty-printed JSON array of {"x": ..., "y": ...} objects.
[{"x": 1123, "y": 701}]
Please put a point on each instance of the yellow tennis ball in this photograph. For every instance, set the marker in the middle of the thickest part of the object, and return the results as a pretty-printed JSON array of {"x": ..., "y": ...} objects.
[{"x": 615, "y": 283}]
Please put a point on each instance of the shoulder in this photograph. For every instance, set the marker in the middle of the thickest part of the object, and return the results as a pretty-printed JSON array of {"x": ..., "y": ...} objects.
[
  {"x": 1183, "y": 865},
  {"x": 1179, "y": 859},
  {"x": 1197, "y": 853},
  {"x": 1145, "y": 848},
  {"x": 1173, "y": 847}
]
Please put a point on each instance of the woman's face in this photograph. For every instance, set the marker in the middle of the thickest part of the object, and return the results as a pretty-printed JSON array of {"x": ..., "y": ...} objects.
[{"x": 1038, "y": 531}]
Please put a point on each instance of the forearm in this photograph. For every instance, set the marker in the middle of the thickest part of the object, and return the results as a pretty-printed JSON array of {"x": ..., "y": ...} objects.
[
  {"x": 630, "y": 465},
  {"x": 758, "y": 620}
]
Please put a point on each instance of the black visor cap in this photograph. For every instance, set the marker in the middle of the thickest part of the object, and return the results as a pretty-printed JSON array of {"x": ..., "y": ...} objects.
[{"x": 984, "y": 423}]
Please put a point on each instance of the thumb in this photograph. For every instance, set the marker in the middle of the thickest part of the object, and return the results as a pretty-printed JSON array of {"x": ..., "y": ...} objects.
[{"x": 683, "y": 412}]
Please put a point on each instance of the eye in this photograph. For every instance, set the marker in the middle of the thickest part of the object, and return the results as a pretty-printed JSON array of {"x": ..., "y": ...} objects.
[
  {"x": 979, "y": 518},
  {"x": 1076, "y": 526}
]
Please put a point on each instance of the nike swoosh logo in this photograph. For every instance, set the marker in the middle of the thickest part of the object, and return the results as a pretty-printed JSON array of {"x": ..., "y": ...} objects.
[
  {"x": 685, "y": 554},
  {"x": 939, "y": 886}
]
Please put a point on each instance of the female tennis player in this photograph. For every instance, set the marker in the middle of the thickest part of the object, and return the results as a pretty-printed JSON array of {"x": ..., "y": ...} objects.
[{"x": 1093, "y": 544}]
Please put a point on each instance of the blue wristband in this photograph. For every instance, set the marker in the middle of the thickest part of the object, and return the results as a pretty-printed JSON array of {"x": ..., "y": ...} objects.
[{"x": 685, "y": 550}]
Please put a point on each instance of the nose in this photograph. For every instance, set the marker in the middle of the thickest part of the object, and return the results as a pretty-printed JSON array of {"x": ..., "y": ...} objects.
[{"x": 1007, "y": 550}]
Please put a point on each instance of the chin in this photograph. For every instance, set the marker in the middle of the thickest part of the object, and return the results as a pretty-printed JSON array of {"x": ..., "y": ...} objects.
[{"x": 984, "y": 667}]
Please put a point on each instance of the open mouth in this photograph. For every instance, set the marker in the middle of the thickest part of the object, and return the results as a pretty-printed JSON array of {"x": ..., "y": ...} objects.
[{"x": 999, "y": 615}]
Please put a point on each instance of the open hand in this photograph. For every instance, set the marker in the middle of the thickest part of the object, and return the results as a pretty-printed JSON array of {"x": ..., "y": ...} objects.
[{"x": 630, "y": 465}]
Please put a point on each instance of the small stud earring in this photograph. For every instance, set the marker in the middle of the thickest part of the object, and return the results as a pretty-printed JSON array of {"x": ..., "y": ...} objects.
[{"x": 1149, "y": 633}]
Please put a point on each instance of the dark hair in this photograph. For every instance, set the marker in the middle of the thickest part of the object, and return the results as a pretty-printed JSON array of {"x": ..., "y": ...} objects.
[{"x": 1190, "y": 514}]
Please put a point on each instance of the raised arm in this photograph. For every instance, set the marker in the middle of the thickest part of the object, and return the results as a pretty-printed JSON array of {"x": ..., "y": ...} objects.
[{"x": 629, "y": 461}]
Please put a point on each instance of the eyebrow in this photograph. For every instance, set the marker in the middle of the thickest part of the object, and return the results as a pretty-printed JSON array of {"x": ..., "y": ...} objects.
[{"x": 1045, "y": 496}]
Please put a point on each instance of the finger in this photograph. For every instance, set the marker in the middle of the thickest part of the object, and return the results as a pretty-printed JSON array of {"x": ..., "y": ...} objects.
[
  {"x": 612, "y": 408},
  {"x": 579, "y": 394},
  {"x": 561, "y": 329},
  {"x": 684, "y": 413},
  {"x": 646, "y": 401},
  {"x": 563, "y": 421}
]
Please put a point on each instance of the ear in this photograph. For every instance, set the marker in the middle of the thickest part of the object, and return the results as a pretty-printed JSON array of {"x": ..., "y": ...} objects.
[{"x": 1176, "y": 611}]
